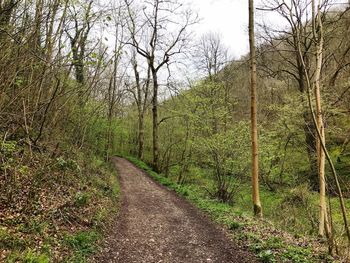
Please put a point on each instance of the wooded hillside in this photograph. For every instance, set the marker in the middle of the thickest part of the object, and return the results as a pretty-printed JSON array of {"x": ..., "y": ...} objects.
[{"x": 83, "y": 81}]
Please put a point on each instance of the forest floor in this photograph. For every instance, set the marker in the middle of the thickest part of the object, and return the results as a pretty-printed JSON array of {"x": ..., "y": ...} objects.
[
  {"x": 54, "y": 209},
  {"x": 156, "y": 225}
]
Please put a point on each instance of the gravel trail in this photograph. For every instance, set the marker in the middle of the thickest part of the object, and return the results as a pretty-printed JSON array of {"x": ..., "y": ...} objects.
[{"x": 156, "y": 225}]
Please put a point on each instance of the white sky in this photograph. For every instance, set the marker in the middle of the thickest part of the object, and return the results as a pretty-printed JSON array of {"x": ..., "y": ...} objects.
[
  {"x": 230, "y": 19},
  {"x": 227, "y": 17}
]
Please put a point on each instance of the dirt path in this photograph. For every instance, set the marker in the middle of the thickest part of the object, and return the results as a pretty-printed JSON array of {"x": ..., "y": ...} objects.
[{"x": 155, "y": 225}]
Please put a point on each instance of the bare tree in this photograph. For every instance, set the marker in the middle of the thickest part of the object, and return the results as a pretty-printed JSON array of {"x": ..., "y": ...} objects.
[
  {"x": 317, "y": 29},
  {"x": 210, "y": 57},
  {"x": 314, "y": 84},
  {"x": 6, "y": 9},
  {"x": 154, "y": 42},
  {"x": 78, "y": 38},
  {"x": 140, "y": 91},
  {"x": 211, "y": 54},
  {"x": 283, "y": 43},
  {"x": 115, "y": 90}
]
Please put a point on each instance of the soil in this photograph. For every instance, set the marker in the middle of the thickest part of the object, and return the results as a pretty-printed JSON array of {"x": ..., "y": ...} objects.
[{"x": 154, "y": 225}]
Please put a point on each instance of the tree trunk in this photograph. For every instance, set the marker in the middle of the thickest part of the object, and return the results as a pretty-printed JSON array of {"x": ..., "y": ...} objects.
[
  {"x": 6, "y": 10},
  {"x": 321, "y": 158},
  {"x": 308, "y": 127},
  {"x": 254, "y": 129},
  {"x": 141, "y": 136},
  {"x": 310, "y": 140},
  {"x": 155, "y": 121},
  {"x": 309, "y": 131},
  {"x": 319, "y": 134}
]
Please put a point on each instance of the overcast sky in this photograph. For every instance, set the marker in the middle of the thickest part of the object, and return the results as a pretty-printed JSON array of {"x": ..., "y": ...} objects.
[
  {"x": 230, "y": 18},
  {"x": 227, "y": 17}
]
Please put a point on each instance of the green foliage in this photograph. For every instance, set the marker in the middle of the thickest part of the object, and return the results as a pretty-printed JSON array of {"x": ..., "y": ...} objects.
[
  {"x": 83, "y": 244},
  {"x": 34, "y": 226},
  {"x": 68, "y": 164},
  {"x": 10, "y": 240},
  {"x": 267, "y": 256},
  {"x": 226, "y": 154},
  {"x": 29, "y": 256},
  {"x": 8, "y": 147},
  {"x": 233, "y": 225},
  {"x": 274, "y": 242},
  {"x": 298, "y": 210},
  {"x": 32, "y": 257},
  {"x": 297, "y": 254},
  {"x": 8, "y": 152},
  {"x": 81, "y": 199},
  {"x": 100, "y": 216}
]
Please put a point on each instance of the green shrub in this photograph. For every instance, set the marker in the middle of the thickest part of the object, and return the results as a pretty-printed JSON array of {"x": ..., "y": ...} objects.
[
  {"x": 233, "y": 225},
  {"x": 297, "y": 254},
  {"x": 274, "y": 243},
  {"x": 8, "y": 147},
  {"x": 68, "y": 164},
  {"x": 267, "y": 256}
]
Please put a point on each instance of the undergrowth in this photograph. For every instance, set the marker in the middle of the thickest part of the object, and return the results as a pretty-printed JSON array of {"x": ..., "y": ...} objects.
[{"x": 53, "y": 208}]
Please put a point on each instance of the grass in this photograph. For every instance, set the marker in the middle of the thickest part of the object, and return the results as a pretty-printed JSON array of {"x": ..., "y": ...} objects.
[
  {"x": 10, "y": 240},
  {"x": 83, "y": 244},
  {"x": 29, "y": 256},
  {"x": 257, "y": 235}
]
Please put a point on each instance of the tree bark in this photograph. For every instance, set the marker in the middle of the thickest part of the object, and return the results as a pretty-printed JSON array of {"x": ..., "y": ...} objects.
[
  {"x": 254, "y": 129},
  {"x": 141, "y": 136},
  {"x": 6, "y": 10},
  {"x": 318, "y": 36},
  {"x": 319, "y": 134},
  {"x": 155, "y": 121}
]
